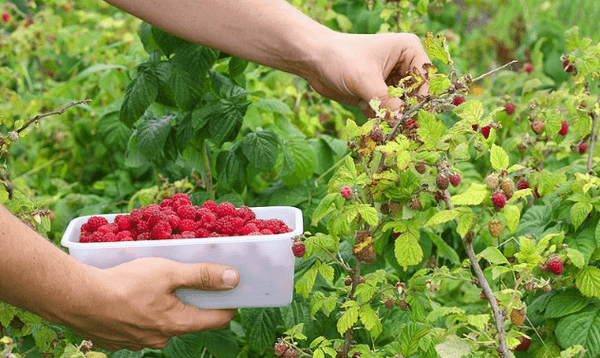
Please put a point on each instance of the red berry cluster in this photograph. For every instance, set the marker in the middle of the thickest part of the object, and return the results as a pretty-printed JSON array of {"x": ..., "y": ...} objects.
[
  {"x": 177, "y": 218},
  {"x": 5, "y": 17}
]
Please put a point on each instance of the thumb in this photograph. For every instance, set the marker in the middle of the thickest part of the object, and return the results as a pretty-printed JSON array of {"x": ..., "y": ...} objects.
[{"x": 204, "y": 276}]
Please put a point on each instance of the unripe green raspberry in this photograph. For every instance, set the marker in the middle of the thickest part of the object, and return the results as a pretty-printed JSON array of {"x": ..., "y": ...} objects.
[
  {"x": 491, "y": 181},
  {"x": 13, "y": 136}
]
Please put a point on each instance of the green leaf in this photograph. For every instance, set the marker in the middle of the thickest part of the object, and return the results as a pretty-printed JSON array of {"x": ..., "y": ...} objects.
[
  {"x": 140, "y": 93},
  {"x": 261, "y": 149},
  {"x": 436, "y": 48},
  {"x": 195, "y": 59},
  {"x": 371, "y": 320},
  {"x": 430, "y": 129},
  {"x": 498, "y": 158},
  {"x": 572, "y": 39},
  {"x": 7, "y": 313},
  {"x": 299, "y": 162},
  {"x": 581, "y": 328},
  {"x": 43, "y": 338},
  {"x": 237, "y": 66},
  {"x": 474, "y": 195},
  {"x": 368, "y": 214},
  {"x": 113, "y": 132},
  {"x": 494, "y": 256},
  {"x": 576, "y": 257},
  {"x": 126, "y": 353},
  {"x": 407, "y": 250},
  {"x": 294, "y": 314},
  {"x": 152, "y": 134},
  {"x": 464, "y": 224},
  {"x": 470, "y": 110},
  {"x": 348, "y": 319},
  {"x": 453, "y": 347},
  {"x": 305, "y": 284},
  {"x": 438, "y": 84},
  {"x": 231, "y": 169},
  {"x": 189, "y": 345},
  {"x": 584, "y": 242},
  {"x": 442, "y": 217},
  {"x": 565, "y": 303},
  {"x": 588, "y": 281},
  {"x": 579, "y": 212},
  {"x": 512, "y": 214},
  {"x": 21, "y": 5},
  {"x": 226, "y": 120},
  {"x": 534, "y": 221},
  {"x": 272, "y": 105},
  {"x": 223, "y": 343},
  {"x": 260, "y": 325},
  {"x": 443, "y": 249},
  {"x": 325, "y": 206}
]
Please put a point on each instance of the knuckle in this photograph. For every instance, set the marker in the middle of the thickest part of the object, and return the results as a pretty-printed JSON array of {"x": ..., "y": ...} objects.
[{"x": 204, "y": 278}]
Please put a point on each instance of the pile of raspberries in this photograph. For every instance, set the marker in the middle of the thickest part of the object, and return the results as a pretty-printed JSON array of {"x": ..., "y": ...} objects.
[{"x": 177, "y": 218}]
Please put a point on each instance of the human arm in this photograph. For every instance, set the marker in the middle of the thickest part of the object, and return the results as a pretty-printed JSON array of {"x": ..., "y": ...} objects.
[
  {"x": 349, "y": 68},
  {"x": 129, "y": 306}
]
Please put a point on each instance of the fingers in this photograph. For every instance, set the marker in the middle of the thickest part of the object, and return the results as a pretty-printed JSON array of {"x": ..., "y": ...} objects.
[
  {"x": 192, "y": 319},
  {"x": 203, "y": 276}
]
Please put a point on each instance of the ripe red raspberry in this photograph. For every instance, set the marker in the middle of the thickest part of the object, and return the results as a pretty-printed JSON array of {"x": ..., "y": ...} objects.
[
  {"x": 186, "y": 212},
  {"x": 168, "y": 211},
  {"x": 176, "y": 203},
  {"x": 143, "y": 236},
  {"x": 248, "y": 229},
  {"x": 442, "y": 181},
  {"x": 537, "y": 127},
  {"x": 166, "y": 202},
  {"x": 188, "y": 235},
  {"x": 582, "y": 147},
  {"x": 458, "y": 100},
  {"x": 225, "y": 209},
  {"x": 109, "y": 237},
  {"x": 486, "y": 131},
  {"x": 202, "y": 233},
  {"x": 5, "y": 17},
  {"x": 275, "y": 225},
  {"x": 228, "y": 225},
  {"x": 124, "y": 236},
  {"x": 210, "y": 205},
  {"x": 142, "y": 227},
  {"x": 266, "y": 232},
  {"x": 108, "y": 228},
  {"x": 346, "y": 191},
  {"x": 182, "y": 196},
  {"x": 156, "y": 217},
  {"x": 135, "y": 216},
  {"x": 176, "y": 236},
  {"x": 298, "y": 248},
  {"x": 95, "y": 222},
  {"x": 475, "y": 127},
  {"x": 564, "y": 128},
  {"x": 123, "y": 222},
  {"x": 174, "y": 221},
  {"x": 522, "y": 184},
  {"x": 439, "y": 196},
  {"x": 455, "y": 179},
  {"x": 245, "y": 213},
  {"x": 499, "y": 200},
  {"x": 208, "y": 220},
  {"x": 528, "y": 67},
  {"x": 187, "y": 225},
  {"x": 280, "y": 348},
  {"x": 567, "y": 66},
  {"x": 555, "y": 265},
  {"x": 509, "y": 107},
  {"x": 161, "y": 231},
  {"x": 524, "y": 345}
]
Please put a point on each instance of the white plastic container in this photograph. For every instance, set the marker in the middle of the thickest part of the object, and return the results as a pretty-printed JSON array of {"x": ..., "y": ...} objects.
[{"x": 265, "y": 262}]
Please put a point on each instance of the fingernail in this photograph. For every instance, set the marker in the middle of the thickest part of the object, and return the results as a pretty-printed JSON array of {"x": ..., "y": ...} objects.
[{"x": 230, "y": 278}]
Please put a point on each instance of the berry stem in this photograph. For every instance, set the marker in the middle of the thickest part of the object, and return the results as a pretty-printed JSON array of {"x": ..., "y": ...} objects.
[
  {"x": 494, "y": 71},
  {"x": 348, "y": 335},
  {"x": 468, "y": 242},
  {"x": 592, "y": 138},
  {"x": 207, "y": 170},
  {"x": 47, "y": 114},
  {"x": 485, "y": 286}
]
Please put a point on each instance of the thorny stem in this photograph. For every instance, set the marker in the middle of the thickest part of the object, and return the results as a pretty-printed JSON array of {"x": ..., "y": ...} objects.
[
  {"x": 207, "y": 171},
  {"x": 592, "y": 137},
  {"x": 40, "y": 116},
  {"x": 348, "y": 335},
  {"x": 494, "y": 71},
  {"x": 468, "y": 242},
  {"x": 485, "y": 286}
]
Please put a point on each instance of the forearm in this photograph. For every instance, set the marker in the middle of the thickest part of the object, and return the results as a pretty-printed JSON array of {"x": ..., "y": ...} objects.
[
  {"x": 269, "y": 32},
  {"x": 37, "y": 276}
]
